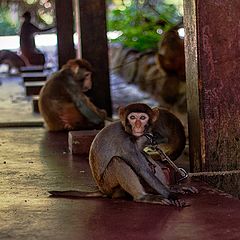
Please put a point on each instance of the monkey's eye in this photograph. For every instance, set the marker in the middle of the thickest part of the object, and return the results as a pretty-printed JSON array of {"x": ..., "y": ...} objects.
[
  {"x": 132, "y": 117},
  {"x": 143, "y": 117},
  {"x": 87, "y": 74}
]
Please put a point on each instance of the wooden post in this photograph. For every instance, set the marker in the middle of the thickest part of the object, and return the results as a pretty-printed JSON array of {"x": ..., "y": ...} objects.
[
  {"x": 77, "y": 26},
  {"x": 212, "y": 50},
  {"x": 64, "y": 18},
  {"x": 196, "y": 150},
  {"x": 95, "y": 49}
]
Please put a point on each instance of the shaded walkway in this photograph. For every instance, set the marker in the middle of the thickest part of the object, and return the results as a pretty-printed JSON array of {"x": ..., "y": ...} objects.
[{"x": 15, "y": 106}]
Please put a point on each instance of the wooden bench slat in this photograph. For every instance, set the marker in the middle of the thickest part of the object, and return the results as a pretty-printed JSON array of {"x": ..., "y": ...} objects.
[
  {"x": 33, "y": 68},
  {"x": 33, "y": 88},
  {"x": 34, "y": 77},
  {"x": 35, "y": 99},
  {"x": 79, "y": 142}
]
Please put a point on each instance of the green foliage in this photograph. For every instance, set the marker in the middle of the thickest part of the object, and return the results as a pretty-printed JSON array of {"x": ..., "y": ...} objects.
[
  {"x": 7, "y": 25},
  {"x": 43, "y": 15},
  {"x": 142, "y": 25}
]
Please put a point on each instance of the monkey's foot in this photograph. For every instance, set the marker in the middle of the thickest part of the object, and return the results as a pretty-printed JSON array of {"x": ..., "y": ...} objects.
[
  {"x": 157, "y": 199},
  {"x": 183, "y": 189}
]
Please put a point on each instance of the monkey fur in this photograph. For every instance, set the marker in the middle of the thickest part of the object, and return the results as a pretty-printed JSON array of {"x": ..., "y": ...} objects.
[{"x": 62, "y": 102}]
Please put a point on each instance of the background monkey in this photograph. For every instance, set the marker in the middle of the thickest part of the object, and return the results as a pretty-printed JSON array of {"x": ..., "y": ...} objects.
[
  {"x": 169, "y": 133},
  {"x": 62, "y": 102},
  {"x": 13, "y": 60},
  {"x": 120, "y": 167}
]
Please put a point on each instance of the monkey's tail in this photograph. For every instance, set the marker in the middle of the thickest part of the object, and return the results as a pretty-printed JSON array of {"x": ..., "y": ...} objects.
[{"x": 76, "y": 194}]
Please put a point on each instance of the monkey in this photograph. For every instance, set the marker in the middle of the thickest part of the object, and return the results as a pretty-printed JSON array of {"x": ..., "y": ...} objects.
[
  {"x": 12, "y": 59},
  {"x": 119, "y": 165},
  {"x": 171, "y": 53},
  {"x": 62, "y": 100}
]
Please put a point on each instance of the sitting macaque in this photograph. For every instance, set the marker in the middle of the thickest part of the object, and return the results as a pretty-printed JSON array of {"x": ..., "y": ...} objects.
[
  {"x": 62, "y": 102},
  {"x": 119, "y": 165},
  {"x": 171, "y": 53},
  {"x": 11, "y": 59},
  {"x": 171, "y": 59}
]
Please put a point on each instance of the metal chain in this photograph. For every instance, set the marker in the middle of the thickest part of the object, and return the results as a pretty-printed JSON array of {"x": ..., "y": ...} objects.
[{"x": 189, "y": 174}]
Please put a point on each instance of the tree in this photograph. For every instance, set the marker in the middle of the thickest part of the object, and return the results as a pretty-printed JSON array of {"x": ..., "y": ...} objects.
[
  {"x": 43, "y": 14},
  {"x": 140, "y": 24},
  {"x": 7, "y": 25}
]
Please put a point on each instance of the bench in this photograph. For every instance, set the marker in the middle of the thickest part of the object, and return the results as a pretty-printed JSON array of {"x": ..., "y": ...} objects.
[
  {"x": 35, "y": 107},
  {"x": 32, "y": 68},
  {"x": 79, "y": 142},
  {"x": 33, "y": 88},
  {"x": 34, "y": 77}
]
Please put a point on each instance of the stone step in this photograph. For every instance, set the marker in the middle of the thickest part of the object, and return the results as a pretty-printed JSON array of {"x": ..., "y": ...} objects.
[
  {"x": 33, "y": 88},
  {"x": 35, "y": 107},
  {"x": 32, "y": 68},
  {"x": 34, "y": 76},
  {"x": 79, "y": 142}
]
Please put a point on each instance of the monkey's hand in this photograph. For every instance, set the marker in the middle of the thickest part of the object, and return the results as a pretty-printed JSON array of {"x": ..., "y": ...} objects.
[
  {"x": 177, "y": 202},
  {"x": 70, "y": 116},
  {"x": 67, "y": 121},
  {"x": 158, "y": 138},
  {"x": 67, "y": 124},
  {"x": 102, "y": 113}
]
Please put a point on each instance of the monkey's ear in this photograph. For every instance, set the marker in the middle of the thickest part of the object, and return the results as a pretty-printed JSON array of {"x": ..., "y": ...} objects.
[
  {"x": 155, "y": 114},
  {"x": 121, "y": 114},
  {"x": 74, "y": 67}
]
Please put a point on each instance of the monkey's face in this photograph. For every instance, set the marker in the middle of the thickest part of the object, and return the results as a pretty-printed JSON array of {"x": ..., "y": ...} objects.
[
  {"x": 138, "y": 122},
  {"x": 84, "y": 79},
  {"x": 82, "y": 72},
  {"x": 137, "y": 118},
  {"x": 87, "y": 82}
]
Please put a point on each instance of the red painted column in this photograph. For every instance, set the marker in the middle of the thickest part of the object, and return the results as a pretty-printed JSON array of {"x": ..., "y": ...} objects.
[{"x": 212, "y": 48}]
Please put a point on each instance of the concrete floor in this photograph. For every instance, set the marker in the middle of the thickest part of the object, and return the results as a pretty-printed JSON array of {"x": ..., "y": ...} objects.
[{"x": 33, "y": 161}]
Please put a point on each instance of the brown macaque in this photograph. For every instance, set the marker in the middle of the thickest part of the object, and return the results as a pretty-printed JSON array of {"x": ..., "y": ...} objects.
[
  {"x": 169, "y": 133},
  {"x": 171, "y": 53},
  {"x": 119, "y": 165},
  {"x": 11, "y": 59},
  {"x": 62, "y": 102}
]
